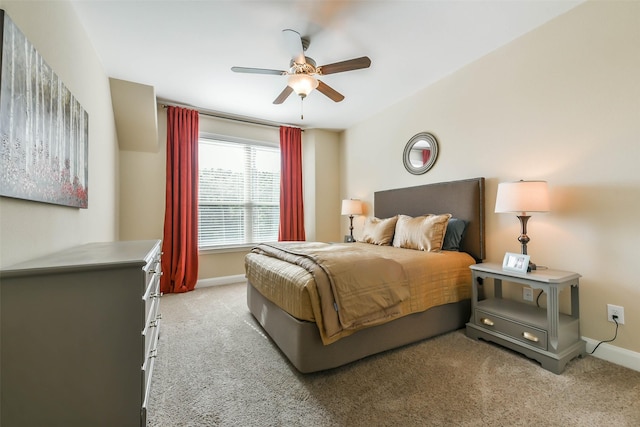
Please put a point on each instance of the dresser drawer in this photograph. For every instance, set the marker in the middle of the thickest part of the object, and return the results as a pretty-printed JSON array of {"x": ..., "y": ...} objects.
[
  {"x": 151, "y": 326},
  {"x": 153, "y": 268},
  {"x": 152, "y": 273},
  {"x": 146, "y": 373},
  {"x": 150, "y": 356},
  {"x": 527, "y": 334},
  {"x": 151, "y": 296}
]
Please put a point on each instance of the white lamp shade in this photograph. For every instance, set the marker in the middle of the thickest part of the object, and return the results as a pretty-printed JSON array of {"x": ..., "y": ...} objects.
[
  {"x": 523, "y": 197},
  {"x": 351, "y": 207},
  {"x": 302, "y": 84}
]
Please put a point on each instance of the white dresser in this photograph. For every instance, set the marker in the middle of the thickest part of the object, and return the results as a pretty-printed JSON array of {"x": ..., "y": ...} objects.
[{"x": 79, "y": 334}]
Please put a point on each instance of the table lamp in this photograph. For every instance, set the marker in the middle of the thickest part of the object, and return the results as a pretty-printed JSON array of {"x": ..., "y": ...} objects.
[
  {"x": 523, "y": 197},
  {"x": 351, "y": 207}
]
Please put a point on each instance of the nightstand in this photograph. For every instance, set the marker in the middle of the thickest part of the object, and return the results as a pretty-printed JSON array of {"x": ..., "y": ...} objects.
[{"x": 546, "y": 335}]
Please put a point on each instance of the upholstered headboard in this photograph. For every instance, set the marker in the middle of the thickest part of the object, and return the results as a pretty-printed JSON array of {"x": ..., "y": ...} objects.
[{"x": 463, "y": 199}]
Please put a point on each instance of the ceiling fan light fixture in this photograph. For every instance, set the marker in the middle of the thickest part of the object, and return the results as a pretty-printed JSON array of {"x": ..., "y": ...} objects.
[{"x": 302, "y": 84}]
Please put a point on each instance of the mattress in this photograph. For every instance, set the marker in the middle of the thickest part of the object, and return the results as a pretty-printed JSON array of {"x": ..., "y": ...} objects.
[{"x": 435, "y": 278}]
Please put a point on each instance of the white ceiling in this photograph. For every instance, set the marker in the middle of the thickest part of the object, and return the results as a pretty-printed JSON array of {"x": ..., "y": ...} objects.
[{"x": 186, "y": 49}]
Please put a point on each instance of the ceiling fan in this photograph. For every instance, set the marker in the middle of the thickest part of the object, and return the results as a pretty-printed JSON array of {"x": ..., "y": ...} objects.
[{"x": 303, "y": 70}]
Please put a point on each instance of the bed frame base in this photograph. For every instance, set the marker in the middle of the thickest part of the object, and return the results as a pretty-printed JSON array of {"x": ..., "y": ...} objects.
[{"x": 301, "y": 344}]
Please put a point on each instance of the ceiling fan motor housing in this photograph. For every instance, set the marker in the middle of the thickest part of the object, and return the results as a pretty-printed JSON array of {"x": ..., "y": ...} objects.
[{"x": 309, "y": 67}]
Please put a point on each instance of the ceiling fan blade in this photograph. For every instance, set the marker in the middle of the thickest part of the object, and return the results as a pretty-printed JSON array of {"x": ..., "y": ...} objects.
[
  {"x": 293, "y": 41},
  {"x": 330, "y": 92},
  {"x": 339, "y": 67},
  {"x": 258, "y": 71},
  {"x": 283, "y": 95}
]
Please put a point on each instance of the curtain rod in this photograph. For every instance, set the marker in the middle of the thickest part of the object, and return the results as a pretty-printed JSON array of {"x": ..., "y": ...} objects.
[{"x": 202, "y": 112}]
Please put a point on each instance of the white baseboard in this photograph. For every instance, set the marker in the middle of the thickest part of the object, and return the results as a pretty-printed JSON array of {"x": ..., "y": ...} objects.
[
  {"x": 611, "y": 353},
  {"x": 218, "y": 281}
]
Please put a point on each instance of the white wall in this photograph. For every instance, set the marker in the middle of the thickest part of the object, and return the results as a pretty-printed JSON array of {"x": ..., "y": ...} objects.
[
  {"x": 321, "y": 151},
  {"x": 562, "y": 104},
  {"x": 29, "y": 229}
]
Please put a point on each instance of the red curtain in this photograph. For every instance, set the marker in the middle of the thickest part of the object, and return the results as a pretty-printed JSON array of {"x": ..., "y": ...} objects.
[
  {"x": 291, "y": 206},
  {"x": 426, "y": 155},
  {"x": 180, "y": 242}
]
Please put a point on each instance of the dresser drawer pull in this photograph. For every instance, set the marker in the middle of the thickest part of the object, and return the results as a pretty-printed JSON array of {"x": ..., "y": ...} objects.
[
  {"x": 153, "y": 324},
  {"x": 486, "y": 321},
  {"x": 155, "y": 295},
  {"x": 153, "y": 353},
  {"x": 529, "y": 336}
]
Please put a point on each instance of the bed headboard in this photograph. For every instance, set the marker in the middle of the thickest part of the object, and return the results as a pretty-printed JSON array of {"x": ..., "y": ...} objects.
[{"x": 463, "y": 199}]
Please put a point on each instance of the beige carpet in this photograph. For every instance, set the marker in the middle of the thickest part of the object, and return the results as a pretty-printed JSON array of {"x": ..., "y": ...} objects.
[{"x": 216, "y": 367}]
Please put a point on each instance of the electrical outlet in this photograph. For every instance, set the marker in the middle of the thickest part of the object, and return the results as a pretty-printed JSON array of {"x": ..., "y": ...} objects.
[
  {"x": 527, "y": 294},
  {"x": 615, "y": 310}
]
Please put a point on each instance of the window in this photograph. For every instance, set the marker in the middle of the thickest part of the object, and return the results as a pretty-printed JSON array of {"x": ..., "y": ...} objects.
[{"x": 239, "y": 193}]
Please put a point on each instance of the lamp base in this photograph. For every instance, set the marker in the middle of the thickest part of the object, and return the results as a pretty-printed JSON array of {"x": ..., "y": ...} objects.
[{"x": 524, "y": 239}]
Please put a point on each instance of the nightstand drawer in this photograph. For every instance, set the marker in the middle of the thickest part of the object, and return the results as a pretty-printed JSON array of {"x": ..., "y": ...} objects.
[{"x": 532, "y": 336}]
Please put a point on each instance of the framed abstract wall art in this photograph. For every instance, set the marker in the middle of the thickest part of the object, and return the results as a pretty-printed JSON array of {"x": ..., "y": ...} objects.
[{"x": 44, "y": 131}]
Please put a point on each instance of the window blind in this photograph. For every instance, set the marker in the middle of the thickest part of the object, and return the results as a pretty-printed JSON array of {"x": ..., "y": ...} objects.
[{"x": 238, "y": 194}]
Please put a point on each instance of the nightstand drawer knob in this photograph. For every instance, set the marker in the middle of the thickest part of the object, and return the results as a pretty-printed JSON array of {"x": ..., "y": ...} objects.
[
  {"x": 529, "y": 336},
  {"x": 486, "y": 321}
]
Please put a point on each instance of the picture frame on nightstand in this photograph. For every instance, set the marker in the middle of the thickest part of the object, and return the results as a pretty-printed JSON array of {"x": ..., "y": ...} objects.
[{"x": 515, "y": 262}]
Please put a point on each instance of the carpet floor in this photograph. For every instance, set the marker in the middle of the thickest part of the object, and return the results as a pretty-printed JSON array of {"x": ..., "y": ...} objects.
[{"x": 217, "y": 367}]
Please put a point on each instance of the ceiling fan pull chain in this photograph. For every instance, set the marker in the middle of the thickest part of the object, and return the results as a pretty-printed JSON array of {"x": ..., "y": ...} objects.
[{"x": 301, "y": 108}]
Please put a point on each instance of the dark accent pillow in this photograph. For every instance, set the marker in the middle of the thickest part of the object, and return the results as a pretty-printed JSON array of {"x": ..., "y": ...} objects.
[{"x": 454, "y": 234}]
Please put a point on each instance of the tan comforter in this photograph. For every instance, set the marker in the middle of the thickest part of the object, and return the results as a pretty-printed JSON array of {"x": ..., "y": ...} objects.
[{"x": 358, "y": 285}]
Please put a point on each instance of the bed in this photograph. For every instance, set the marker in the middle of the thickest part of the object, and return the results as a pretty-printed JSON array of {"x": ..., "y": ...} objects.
[{"x": 283, "y": 296}]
